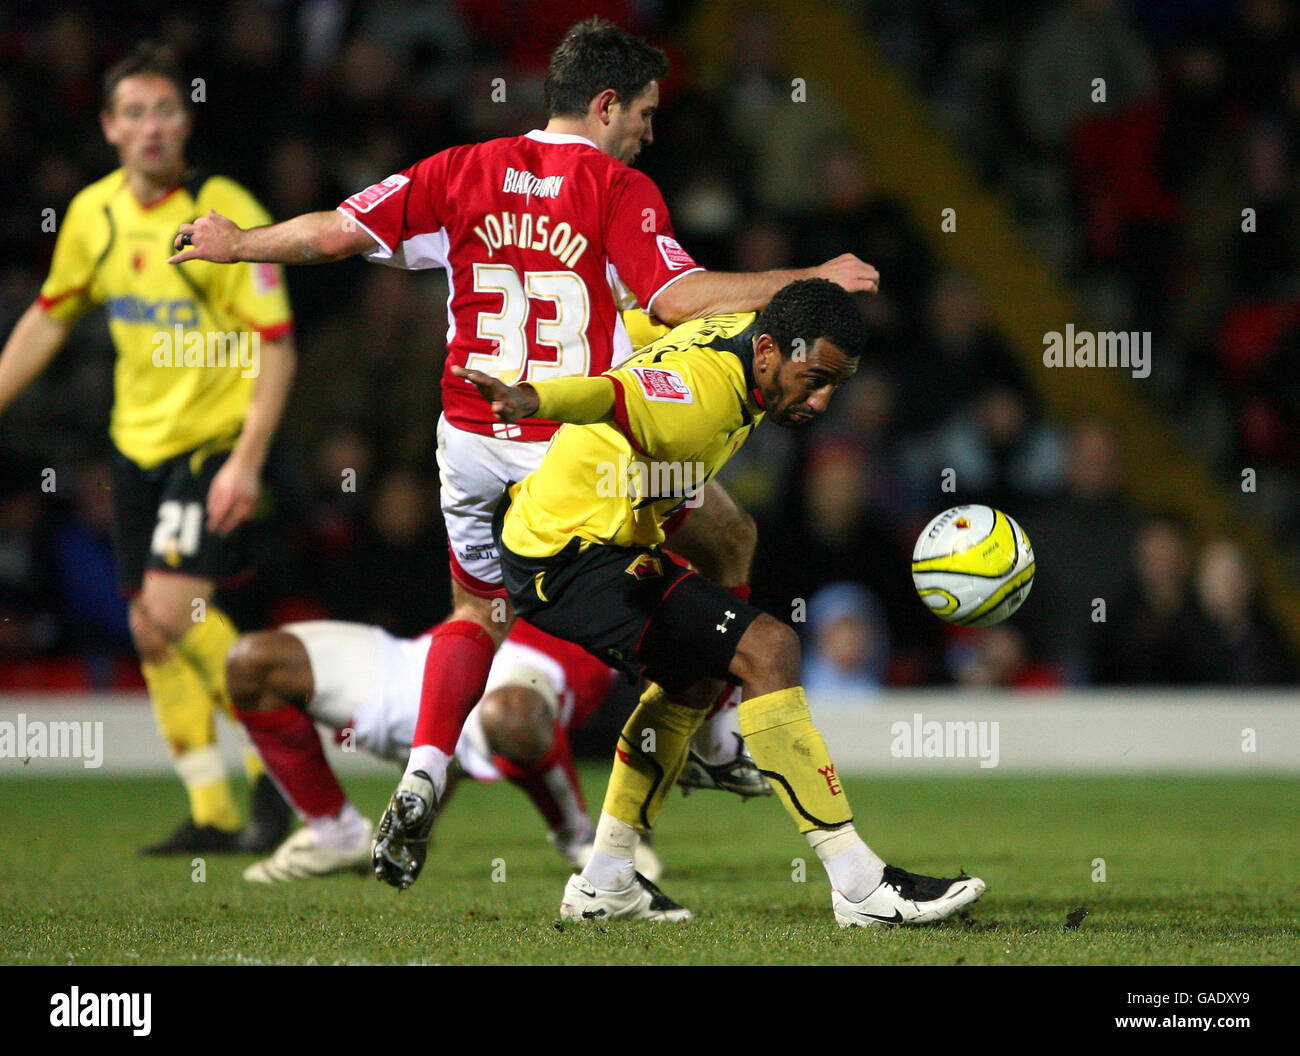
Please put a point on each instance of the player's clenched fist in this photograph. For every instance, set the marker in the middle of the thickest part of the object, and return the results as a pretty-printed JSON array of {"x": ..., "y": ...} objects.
[
  {"x": 509, "y": 402},
  {"x": 210, "y": 237},
  {"x": 856, "y": 276}
]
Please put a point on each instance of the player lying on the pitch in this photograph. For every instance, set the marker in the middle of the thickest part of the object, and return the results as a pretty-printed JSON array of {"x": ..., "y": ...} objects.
[
  {"x": 589, "y": 567},
  {"x": 359, "y": 678}
]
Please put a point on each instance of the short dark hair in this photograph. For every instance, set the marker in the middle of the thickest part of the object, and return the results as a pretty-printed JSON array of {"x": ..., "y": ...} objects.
[
  {"x": 813, "y": 308},
  {"x": 148, "y": 57},
  {"x": 595, "y": 54}
]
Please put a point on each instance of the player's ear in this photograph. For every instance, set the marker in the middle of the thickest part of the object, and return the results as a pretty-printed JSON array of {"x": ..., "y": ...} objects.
[
  {"x": 106, "y": 126},
  {"x": 602, "y": 106},
  {"x": 766, "y": 353}
]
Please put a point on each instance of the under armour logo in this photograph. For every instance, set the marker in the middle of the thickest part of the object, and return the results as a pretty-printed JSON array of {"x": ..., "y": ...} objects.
[{"x": 722, "y": 627}]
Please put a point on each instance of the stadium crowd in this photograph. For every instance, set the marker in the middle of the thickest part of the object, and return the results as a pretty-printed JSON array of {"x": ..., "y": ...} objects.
[{"x": 307, "y": 102}]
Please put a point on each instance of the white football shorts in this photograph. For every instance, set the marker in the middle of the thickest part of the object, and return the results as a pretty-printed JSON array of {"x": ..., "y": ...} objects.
[
  {"x": 369, "y": 681},
  {"x": 474, "y": 470}
]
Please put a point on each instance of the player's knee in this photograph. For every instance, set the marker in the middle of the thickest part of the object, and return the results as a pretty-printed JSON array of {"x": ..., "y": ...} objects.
[
  {"x": 494, "y": 615},
  {"x": 249, "y": 664},
  {"x": 517, "y": 724},
  {"x": 149, "y": 641},
  {"x": 168, "y": 617},
  {"x": 767, "y": 657}
]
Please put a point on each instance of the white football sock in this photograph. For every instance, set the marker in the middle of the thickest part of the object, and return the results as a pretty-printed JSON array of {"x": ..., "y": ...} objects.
[
  {"x": 434, "y": 762},
  {"x": 854, "y": 868},
  {"x": 611, "y": 866},
  {"x": 715, "y": 741}
]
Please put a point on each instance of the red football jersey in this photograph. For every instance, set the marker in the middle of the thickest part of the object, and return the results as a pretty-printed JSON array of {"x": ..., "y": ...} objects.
[
  {"x": 587, "y": 681},
  {"x": 544, "y": 239}
]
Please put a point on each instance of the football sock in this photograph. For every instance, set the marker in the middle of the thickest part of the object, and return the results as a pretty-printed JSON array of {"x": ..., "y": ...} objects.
[
  {"x": 341, "y": 831},
  {"x": 649, "y": 757},
  {"x": 203, "y": 773},
  {"x": 791, "y": 754},
  {"x": 611, "y": 866},
  {"x": 854, "y": 868},
  {"x": 715, "y": 741},
  {"x": 434, "y": 762},
  {"x": 455, "y": 675},
  {"x": 552, "y": 784},
  {"x": 182, "y": 709},
  {"x": 205, "y": 646},
  {"x": 288, "y": 741}
]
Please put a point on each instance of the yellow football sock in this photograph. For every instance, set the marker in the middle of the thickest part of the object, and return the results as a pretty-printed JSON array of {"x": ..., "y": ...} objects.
[
  {"x": 205, "y": 646},
  {"x": 650, "y": 755},
  {"x": 785, "y": 744},
  {"x": 182, "y": 707}
]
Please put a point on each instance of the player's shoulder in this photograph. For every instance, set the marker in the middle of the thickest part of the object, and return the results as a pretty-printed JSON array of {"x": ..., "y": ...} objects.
[
  {"x": 94, "y": 196},
  {"x": 704, "y": 352},
  {"x": 700, "y": 340},
  {"x": 228, "y": 197}
]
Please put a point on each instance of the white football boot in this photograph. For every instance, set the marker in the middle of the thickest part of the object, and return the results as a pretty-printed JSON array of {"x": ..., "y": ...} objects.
[
  {"x": 640, "y": 900},
  {"x": 578, "y": 854},
  {"x": 300, "y": 858},
  {"x": 907, "y": 898}
]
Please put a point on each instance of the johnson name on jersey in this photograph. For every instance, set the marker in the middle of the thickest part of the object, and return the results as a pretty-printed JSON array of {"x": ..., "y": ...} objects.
[{"x": 544, "y": 239}]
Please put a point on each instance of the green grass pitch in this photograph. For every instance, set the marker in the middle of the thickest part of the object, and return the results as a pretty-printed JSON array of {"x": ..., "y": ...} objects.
[{"x": 1198, "y": 870}]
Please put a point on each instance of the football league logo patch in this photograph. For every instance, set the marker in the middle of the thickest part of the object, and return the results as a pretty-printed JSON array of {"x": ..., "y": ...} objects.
[
  {"x": 364, "y": 201},
  {"x": 645, "y": 566},
  {"x": 674, "y": 256},
  {"x": 664, "y": 386}
]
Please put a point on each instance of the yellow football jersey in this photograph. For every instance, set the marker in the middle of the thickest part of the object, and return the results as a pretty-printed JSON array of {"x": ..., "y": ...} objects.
[
  {"x": 642, "y": 328},
  {"x": 187, "y": 336},
  {"x": 681, "y": 408}
]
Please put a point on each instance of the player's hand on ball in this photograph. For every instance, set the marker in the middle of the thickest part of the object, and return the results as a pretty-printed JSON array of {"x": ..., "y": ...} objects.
[
  {"x": 210, "y": 237},
  {"x": 856, "y": 276},
  {"x": 509, "y": 402}
]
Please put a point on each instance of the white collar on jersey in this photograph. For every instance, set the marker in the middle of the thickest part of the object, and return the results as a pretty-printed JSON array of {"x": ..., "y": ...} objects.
[{"x": 557, "y": 137}]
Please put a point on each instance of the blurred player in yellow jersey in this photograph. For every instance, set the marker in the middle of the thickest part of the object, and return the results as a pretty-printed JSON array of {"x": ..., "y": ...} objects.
[{"x": 204, "y": 365}]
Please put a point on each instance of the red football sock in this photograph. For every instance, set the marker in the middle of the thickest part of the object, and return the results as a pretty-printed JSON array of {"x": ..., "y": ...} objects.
[
  {"x": 552, "y": 784},
  {"x": 455, "y": 675},
  {"x": 291, "y": 749}
]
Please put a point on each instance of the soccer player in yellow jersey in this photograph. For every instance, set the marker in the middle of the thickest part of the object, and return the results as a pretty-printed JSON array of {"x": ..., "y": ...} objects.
[
  {"x": 580, "y": 542},
  {"x": 204, "y": 364}
]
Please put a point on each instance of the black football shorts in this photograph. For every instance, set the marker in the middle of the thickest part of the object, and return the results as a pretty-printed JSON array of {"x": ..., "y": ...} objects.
[
  {"x": 160, "y": 520},
  {"x": 639, "y": 609}
]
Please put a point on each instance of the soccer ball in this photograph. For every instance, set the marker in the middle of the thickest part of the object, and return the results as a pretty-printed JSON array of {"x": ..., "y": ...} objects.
[{"x": 973, "y": 566}]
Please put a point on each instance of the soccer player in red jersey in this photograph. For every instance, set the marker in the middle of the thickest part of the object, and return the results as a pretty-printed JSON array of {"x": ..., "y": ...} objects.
[
  {"x": 544, "y": 238},
  {"x": 364, "y": 683}
]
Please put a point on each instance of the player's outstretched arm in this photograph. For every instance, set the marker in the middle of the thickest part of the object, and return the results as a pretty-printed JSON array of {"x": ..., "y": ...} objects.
[
  {"x": 35, "y": 340},
  {"x": 312, "y": 238},
  {"x": 579, "y": 401},
  {"x": 704, "y": 293}
]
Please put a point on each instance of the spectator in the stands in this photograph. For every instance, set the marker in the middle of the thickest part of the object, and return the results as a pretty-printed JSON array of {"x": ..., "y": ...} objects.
[
  {"x": 1240, "y": 644},
  {"x": 1084, "y": 537},
  {"x": 849, "y": 644},
  {"x": 1145, "y": 634}
]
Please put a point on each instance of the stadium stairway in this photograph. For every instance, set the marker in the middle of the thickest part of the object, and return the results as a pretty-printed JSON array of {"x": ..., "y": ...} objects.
[{"x": 916, "y": 163}]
